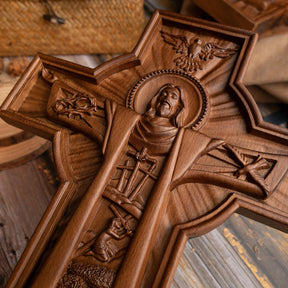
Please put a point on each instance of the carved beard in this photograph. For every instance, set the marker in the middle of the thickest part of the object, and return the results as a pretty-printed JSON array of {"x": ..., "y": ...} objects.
[{"x": 164, "y": 109}]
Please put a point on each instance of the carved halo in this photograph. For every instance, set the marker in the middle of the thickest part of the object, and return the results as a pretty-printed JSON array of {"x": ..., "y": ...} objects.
[{"x": 197, "y": 99}]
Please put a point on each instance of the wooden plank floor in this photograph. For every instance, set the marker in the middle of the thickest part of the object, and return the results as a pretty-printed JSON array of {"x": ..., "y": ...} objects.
[
  {"x": 239, "y": 253},
  {"x": 25, "y": 192}
]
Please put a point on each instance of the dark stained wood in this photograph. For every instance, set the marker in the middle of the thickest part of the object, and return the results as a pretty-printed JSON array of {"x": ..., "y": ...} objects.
[
  {"x": 267, "y": 17},
  {"x": 192, "y": 170}
]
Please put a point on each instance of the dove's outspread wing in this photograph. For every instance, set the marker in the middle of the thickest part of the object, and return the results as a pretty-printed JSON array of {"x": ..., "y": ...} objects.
[
  {"x": 179, "y": 43},
  {"x": 211, "y": 50},
  {"x": 194, "y": 53}
]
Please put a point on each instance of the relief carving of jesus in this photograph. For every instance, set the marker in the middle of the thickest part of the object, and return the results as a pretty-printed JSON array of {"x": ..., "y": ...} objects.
[{"x": 145, "y": 156}]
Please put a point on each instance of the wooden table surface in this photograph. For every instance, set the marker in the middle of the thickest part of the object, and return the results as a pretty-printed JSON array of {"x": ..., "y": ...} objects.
[{"x": 239, "y": 253}]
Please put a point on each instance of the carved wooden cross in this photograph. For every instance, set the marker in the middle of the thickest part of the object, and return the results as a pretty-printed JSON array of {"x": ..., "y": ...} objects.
[{"x": 165, "y": 144}]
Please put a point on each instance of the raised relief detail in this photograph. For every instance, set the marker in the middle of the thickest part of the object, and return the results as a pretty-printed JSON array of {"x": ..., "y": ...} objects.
[
  {"x": 194, "y": 51},
  {"x": 76, "y": 105},
  {"x": 86, "y": 276},
  {"x": 199, "y": 108},
  {"x": 228, "y": 162},
  {"x": 262, "y": 5},
  {"x": 266, "y": 17},
  {"x": 111, "y": 243},
  {"x": 251, "y": 168},
  {"x": 133, "y": 179},
  {"x": 176, "y": 155},
  {"x": 179, "y": 104}
]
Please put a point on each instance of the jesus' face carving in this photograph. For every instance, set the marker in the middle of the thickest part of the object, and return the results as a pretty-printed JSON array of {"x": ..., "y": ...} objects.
[{"x": 168, "y": 102}]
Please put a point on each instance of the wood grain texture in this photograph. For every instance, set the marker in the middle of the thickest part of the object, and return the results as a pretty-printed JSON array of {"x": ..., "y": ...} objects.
[
  {"x": 165, "y": 175},
  {"x": 265, "y": 17},
  {"x": 25, "y": 193},
  {"x": 200, "y": 265},
  {"x": 239, "y": 253},
  {"x": 16, "y": 145}
]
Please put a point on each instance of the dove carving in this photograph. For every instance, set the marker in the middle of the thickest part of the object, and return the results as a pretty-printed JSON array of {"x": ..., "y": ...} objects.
[{"x": 195, "y": 53}]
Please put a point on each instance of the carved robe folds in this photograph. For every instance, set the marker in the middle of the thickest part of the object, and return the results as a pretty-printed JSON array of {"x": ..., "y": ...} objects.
[
  {"x": 145, "y": 156},
  {"x": 132, "y": 164}
]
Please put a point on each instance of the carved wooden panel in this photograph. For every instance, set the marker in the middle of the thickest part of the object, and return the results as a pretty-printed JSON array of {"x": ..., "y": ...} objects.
[
  {"x": 266, "y": 17},
  {"x": 151, "y": 148}
]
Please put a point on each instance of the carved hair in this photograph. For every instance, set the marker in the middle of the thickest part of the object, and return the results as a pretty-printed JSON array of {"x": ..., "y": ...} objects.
[{"x": 179, "y": 117}]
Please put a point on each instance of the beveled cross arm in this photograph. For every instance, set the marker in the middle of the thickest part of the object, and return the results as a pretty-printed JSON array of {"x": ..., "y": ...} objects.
[{"x": 79, "y": 110}]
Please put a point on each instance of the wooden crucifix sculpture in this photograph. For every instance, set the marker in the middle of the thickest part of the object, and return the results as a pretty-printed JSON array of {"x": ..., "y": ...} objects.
[{"x": 152, "y": 148}]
